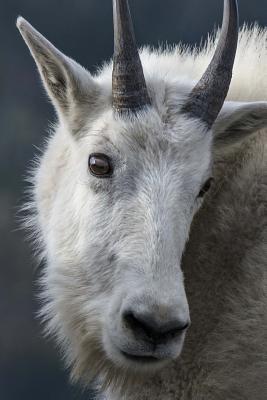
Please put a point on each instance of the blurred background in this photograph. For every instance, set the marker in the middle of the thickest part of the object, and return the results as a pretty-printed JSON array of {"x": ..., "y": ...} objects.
[{"x": 30, "y": 367}]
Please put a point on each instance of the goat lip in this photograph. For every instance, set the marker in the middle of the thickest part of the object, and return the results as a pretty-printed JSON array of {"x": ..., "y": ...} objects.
[{"x": 139, "y": 358}]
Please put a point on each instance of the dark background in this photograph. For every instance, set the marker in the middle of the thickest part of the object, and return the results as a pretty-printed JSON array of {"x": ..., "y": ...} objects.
[{"x": 29, "y": 365}]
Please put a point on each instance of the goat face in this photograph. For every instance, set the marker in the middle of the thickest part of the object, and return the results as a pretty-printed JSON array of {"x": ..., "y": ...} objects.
[
  {"x": 138, "y": 216},
  {"x": 125, "y": 195}
]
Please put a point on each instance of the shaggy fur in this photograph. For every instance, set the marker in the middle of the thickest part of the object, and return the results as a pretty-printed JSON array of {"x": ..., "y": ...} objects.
[{"x": 85, "y": 228}]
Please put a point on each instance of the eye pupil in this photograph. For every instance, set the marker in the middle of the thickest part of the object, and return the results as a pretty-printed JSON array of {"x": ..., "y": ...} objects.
[
  {"x": 206, "y": 187},
  {"x": 100, "y": 165}
]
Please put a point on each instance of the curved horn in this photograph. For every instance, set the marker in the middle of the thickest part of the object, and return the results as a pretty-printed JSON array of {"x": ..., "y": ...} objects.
[
  {"x": 129, "y": 91},
  {"x": 207, "y": 98}
]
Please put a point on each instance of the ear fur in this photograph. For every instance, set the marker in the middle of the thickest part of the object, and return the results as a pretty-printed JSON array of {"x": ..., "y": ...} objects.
[
  {"x": 66, "y": 82},
  {"x": 238, "y": 120}
]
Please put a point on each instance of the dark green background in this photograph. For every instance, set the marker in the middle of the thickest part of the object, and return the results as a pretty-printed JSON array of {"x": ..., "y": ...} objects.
[{"x": 29, "y": 365}]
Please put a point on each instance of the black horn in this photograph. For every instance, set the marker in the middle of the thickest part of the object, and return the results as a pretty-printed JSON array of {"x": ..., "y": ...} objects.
[
  {"x": 207, "y": 97},
  {"x": 129, "y": 90}
]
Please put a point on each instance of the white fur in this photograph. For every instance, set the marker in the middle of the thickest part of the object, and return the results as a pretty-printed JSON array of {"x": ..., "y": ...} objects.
[{"x": 111, "y": 243}]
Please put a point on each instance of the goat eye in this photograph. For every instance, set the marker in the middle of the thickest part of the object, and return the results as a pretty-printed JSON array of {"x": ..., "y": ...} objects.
[
  {"x": 100, "y": 165},
  {"x": 206, "y": 187}
]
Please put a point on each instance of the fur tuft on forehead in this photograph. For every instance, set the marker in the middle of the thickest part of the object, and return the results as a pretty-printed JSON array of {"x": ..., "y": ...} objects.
[{"x": 171, "y": 71}]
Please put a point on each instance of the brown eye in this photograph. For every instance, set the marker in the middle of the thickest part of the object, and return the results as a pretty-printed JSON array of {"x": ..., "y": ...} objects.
[
  {"x": 206, "y": 187},
  {"x": 100, "y": 165}
]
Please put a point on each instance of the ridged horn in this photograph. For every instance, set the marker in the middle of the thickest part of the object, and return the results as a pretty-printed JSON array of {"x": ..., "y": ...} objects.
[
  {"x": 207, "y": 97},
  {"x": 129, "y": 90}
]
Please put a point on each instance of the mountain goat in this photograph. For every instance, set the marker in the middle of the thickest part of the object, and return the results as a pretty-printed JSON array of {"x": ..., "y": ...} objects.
[{"x": 149, "y": 209}]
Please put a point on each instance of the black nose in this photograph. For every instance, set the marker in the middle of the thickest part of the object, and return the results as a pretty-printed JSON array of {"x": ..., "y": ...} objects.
[{"x": 147, "y": 326}]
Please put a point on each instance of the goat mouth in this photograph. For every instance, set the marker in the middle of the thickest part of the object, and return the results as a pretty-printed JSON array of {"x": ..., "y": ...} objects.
[{"x": 140, "y": 359}]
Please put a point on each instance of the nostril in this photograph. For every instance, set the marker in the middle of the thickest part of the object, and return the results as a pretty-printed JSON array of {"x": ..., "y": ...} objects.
[
  {"x": 133, "y": 322},
  {"x": 178, "y": 330},
  {"x": 146, "y": 325}
]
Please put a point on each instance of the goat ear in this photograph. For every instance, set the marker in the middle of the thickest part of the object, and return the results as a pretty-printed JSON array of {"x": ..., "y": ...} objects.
[
  {"x": 66, "y": 82},
  {"x": 238, "y": 120}
]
